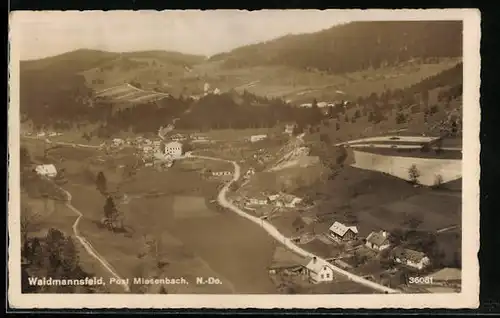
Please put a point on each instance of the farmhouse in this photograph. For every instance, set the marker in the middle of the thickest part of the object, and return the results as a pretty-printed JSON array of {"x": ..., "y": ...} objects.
[
  {"x": 157, "y": 143},
  {"x": 178, "y": 137},
  {"x": 378, "y": 240},
  {"x": 118, "y": 142},
  {"x": 318, "y": 271},
  {"x": 290, "y": 201},
  {"x": 173, "y": 149},
  {"x": 258, "y": 200},
  {"x": 273, "y": 197},
  {"x": 46, "y": 170},
  {"x": 411, "y": 258},
  {"x": 341, "y": 232},
  {"x": 256, "y": 138},
  {"x": 250, "y": 172},
  {"x": 289, "y": 129},
  {"x": 221, "y": 173}
]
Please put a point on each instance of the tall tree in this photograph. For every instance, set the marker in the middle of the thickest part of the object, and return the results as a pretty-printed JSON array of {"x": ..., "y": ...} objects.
[
  {"x": 110, "y": 211},
  {"x": 101, "y": 182}
]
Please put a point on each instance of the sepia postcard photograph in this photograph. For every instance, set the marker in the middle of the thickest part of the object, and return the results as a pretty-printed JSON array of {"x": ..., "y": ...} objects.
[{"x": 244, "y": 159}]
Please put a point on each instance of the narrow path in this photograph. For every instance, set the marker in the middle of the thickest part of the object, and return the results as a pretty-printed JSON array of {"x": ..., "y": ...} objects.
[
  {"x": 222, "y": 200},
  {"x": 447, "y": 229},
  {"x": 86, "y": 244}
]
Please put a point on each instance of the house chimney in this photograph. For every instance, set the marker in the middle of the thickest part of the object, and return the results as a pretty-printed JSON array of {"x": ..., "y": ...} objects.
[
  {"x": 314, "y": 260},
  {"x": 384, "y": 233}
]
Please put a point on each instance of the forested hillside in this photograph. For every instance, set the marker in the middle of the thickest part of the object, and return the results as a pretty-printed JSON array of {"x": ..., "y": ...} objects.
[{"x": 354, "y": 46}]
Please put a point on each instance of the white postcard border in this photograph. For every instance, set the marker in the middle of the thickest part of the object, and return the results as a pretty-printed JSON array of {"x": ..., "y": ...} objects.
[{"x": 468, "y": 298}]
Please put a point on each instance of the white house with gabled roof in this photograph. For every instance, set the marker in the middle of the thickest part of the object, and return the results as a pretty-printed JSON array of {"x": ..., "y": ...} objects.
[
  {"x": 342, "y": 232},
  {"x": 318, "y": 271},
  {"x": 46, "y": 170},
  {"x": 173, "y": 149}
]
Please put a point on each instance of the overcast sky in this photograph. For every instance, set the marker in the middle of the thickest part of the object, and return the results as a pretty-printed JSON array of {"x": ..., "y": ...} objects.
[{"x": 45, "y": 34}]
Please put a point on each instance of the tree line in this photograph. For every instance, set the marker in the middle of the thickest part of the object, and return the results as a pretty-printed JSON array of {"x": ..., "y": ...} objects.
[
  {"x": 54, "y": 256},
  {"x": 354, "y": 46}
]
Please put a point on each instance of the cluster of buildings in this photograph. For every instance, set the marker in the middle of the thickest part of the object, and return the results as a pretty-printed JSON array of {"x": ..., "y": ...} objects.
[
  {"x": 43, "y": 134},
  {"x": 277, "y": 200},
  {"x": 207, "y": 90},
  {"x": 316, "y": 270},
  {"x": 379, "y": 241}
]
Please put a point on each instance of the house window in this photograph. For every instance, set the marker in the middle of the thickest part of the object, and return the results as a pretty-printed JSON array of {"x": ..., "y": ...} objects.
[
  {"x": 328, "y": 275},
  {"x": 322, "y": 276}
]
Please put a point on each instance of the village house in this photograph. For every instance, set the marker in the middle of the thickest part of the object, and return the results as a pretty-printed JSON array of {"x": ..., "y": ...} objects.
[
  {"x": 250, "y": 172},
  {"x": 52, "y": 134},
  {"x": 273, "y": 198},
  {"x": 46, "y": 170},
  {"x": 258, "y": 200},
  {"x": 411, "y": 258},
  {"x": 289, "y": 129},
  {"x": 40, "y": 134},
  {"x": 290, "y": 201},
  {"x": 378, "y": 240},
  {"x": 221, "y": 173},
  {"x": 173, "y": 149},
  {"x": 340, "y": 232},
  {"x": 118, "y": 142},
  {"x": 178, "y": 137},
  {"x": 147, "y": 149},
  {"x": 318, "y": 271},
  {"x": 256, "y": 138}
]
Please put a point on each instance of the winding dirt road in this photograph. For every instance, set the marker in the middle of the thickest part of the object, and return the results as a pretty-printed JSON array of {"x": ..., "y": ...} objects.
[
  {"x": 86, "y": 244},
  {"x": 222, "y": 200}
]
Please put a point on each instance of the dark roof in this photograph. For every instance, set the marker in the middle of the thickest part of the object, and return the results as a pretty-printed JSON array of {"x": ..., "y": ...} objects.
[
  {"x": 377, "y": 238},
  {"x": 407, "y": 254}
]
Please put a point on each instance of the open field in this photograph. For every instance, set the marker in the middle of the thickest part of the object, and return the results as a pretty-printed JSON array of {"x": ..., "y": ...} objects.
[
  {"x": 205, "y": 239},
  {"x": 412, "y": 152},
  {"x": 191, "y": 207},
  {"x": 428, "y": 168},
  {"x": 303, "y": 86},
  {"x": 395, "y": 139},
  {"x": 128, "y": 93},
  {"x": 193, "y": 236},
  {"x": 381, "y": 201},
  {"x": 434, "y": 213}
]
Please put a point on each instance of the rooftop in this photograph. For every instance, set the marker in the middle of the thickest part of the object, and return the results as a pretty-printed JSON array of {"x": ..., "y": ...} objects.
[
  {"x": 411, "y": 255},
  {"x": 377, "y": 238},
  {"x": 316, "y": 265},
  {"x": 341, "y": 229}
]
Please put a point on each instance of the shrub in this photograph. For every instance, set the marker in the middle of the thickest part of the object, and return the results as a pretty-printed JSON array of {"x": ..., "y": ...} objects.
[
  {"x": 438, "y": 181},
  {"x": 413, "y": 174}
]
